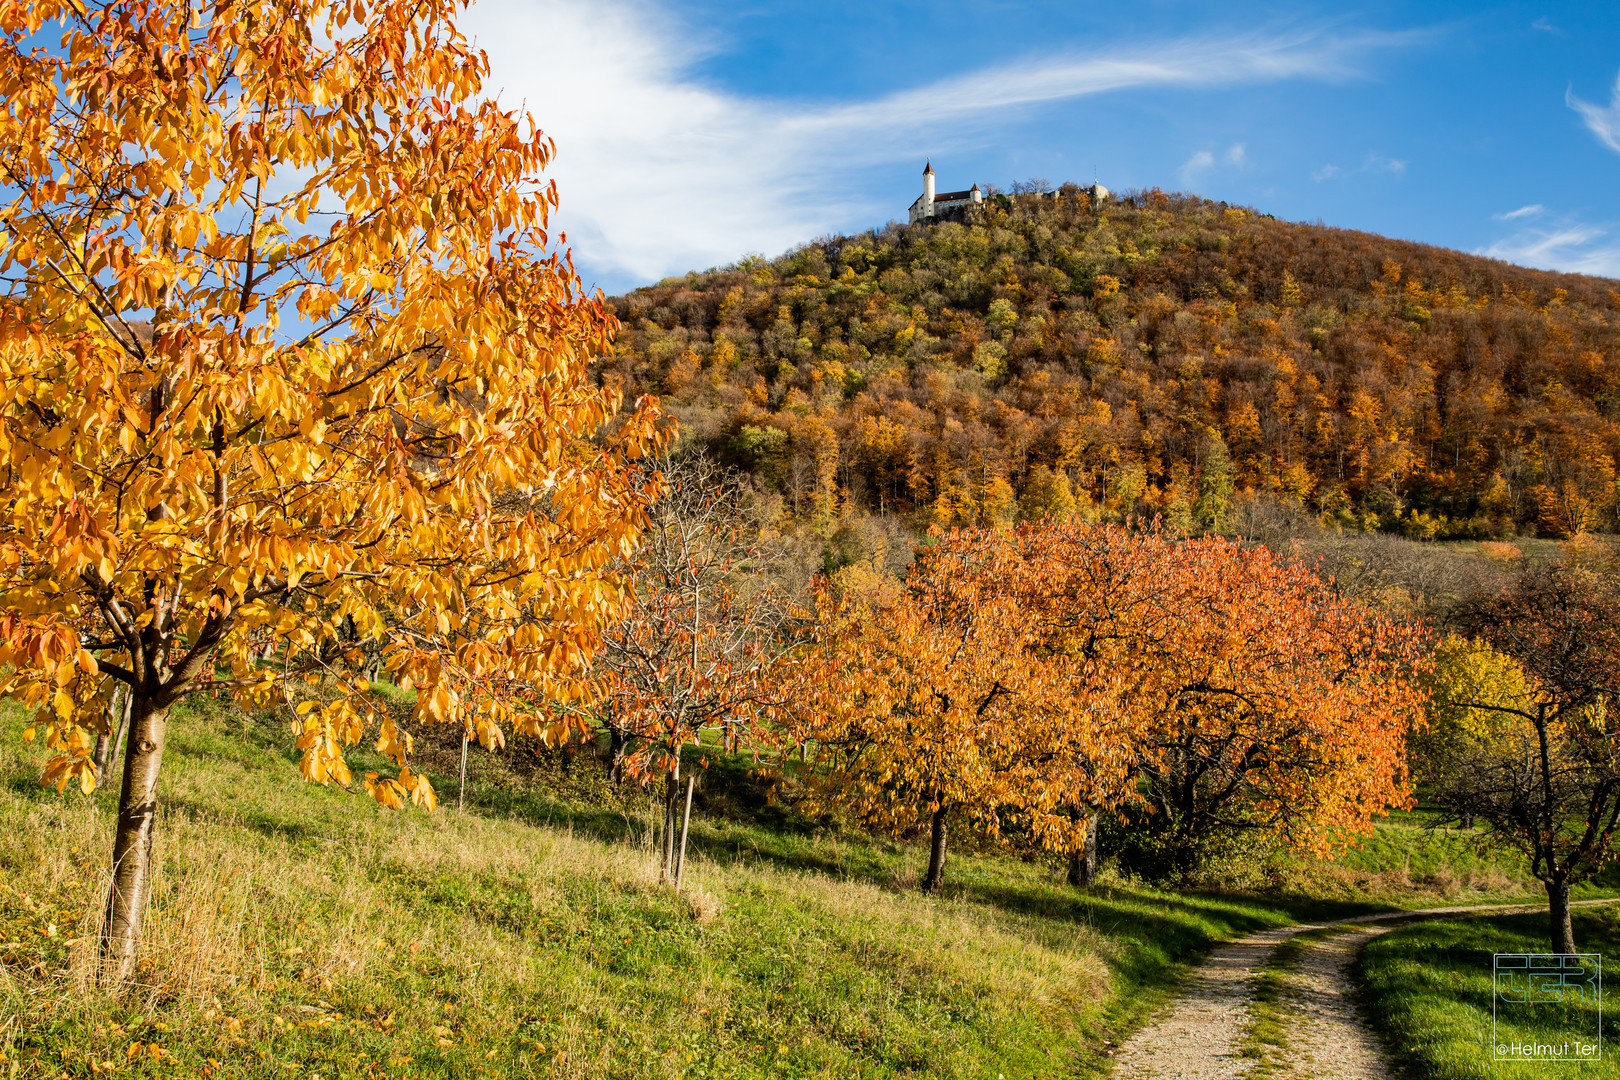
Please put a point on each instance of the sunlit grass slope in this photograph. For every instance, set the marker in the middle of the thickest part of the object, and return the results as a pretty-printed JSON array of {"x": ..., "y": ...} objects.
[
  {"x": 1429, "y": 987},
  {"x": 303, "y": 931}
]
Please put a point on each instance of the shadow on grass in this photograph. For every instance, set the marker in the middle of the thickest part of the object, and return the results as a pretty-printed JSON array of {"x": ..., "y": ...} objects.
[
  {"x": 265, "y": 824},
  {"x": 739, "y": 819},
  {"x": 1428, "y": 989}
]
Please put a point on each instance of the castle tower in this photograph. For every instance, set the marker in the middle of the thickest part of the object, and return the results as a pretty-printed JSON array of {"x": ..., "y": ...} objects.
[{"x": 928, "y": 184}]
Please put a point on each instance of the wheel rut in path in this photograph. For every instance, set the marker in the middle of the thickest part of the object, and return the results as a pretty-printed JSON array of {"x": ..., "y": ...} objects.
[{"x": 1202, "y": 1033}]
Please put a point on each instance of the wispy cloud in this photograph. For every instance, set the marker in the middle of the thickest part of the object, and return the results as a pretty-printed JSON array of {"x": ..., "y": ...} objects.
[
  {"x": 1545, "y": 24},
  {"x": 1196, "y": 166},
  {"x": 1602, "y": 122},
  {"x": 1562, "y": 243},
  {"x": 659, "y": 171},
  {"x": 1236, "y": 157},
  {"x": 1522, "y": 212},
  {"x": 1372, "y": 163}
]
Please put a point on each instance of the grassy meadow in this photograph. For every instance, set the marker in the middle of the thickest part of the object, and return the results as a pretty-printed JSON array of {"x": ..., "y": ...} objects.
[
  {"x": 1428, "y": 988},
  {"x": 304, "y": 931}
]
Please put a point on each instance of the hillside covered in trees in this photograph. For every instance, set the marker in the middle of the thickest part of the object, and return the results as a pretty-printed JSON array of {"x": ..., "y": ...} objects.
[{"x": 1160, "y": 354}]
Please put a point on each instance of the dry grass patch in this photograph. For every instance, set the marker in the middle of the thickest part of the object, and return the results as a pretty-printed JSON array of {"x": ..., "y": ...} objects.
[{"x": 294, "y": 926}]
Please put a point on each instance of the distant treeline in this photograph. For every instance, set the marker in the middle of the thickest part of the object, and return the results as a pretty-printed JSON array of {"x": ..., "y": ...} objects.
[{"x": 1161, "y": 354}]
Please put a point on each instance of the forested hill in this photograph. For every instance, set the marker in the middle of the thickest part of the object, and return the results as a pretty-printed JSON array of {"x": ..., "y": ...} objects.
[{"x": 1160, "y": 354}]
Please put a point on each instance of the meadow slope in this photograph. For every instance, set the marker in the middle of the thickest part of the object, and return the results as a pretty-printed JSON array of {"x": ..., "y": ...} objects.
[{"x": 304, "y": 931}]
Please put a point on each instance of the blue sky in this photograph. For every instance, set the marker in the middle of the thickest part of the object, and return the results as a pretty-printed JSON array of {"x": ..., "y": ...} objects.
[{"x": 693, "y": 132}]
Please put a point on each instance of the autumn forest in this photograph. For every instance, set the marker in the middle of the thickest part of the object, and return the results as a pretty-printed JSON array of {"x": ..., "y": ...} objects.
[{"x": 1155, "y": 356}]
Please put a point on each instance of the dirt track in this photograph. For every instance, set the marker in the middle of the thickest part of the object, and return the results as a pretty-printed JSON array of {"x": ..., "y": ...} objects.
[{"x": 1201, "y": 1034}]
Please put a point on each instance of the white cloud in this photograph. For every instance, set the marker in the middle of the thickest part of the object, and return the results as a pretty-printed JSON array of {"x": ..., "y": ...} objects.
[
  {"x": 1201, "y": 162},
  {"x": 1564, "y": 243},
  {"x": 1604, "y": 123},
  {"x": 1522, "y": 212},
  {"x": 660, "y": 172},
  {"x": 1372, "y": 163},
  {"x": 1545, "y": 24},
  {"x": 1196, "y": 166}
]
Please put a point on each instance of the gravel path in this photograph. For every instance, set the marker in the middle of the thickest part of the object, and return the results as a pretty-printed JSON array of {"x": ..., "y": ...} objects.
[
  {"x": 1201, "y": 1035},
  {"x": 1326, "y": 1037}
]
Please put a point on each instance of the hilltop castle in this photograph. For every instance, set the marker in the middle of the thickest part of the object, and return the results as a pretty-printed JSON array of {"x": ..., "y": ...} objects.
[{"x": 930, "y": 205}]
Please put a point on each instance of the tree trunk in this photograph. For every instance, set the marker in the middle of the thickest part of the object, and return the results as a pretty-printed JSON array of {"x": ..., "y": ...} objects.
[
  {"x": 98, "y": 758},
  {"x": 936, "y": 852},
  {"x": 1563, "y": 932},
  {"x": 132, "y": 846},
  {"x": 615, "y": 755},
  {"x": 666, "y": 854},
  {"x": 1088, "y": 863},
  {"x": 686, "y": 823},
  {"x": 1083, "y": 860}
]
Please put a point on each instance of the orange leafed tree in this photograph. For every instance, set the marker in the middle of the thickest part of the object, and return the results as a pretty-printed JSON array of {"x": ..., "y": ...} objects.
[
  {"x": 1090, "y": 594},
  {"x": 285, "y": 374},
  {"x": 1268, "y": 704},
  {"x": 1035, "y": 678},
  {"x": 935, "y": 699}
]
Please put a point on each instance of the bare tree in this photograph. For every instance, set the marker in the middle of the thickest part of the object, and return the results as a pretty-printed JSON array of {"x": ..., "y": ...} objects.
[
  {"x": 1035, "y": 185},
  {"x": 694, "y": 658}
]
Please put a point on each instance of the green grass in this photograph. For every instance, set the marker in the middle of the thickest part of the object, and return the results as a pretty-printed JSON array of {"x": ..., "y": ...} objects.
[
  {"x": 1411, "y": 860},
  {"x": 1267, "y": 1036},
  {"x": 1428, "y": 986},
  {"x": 303, "y": 931}
]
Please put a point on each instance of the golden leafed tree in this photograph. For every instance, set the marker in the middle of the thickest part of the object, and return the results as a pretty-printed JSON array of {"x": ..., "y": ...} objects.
[
  {"x": 1526, "y": 726},
  {"x": 286, "y": 375}
]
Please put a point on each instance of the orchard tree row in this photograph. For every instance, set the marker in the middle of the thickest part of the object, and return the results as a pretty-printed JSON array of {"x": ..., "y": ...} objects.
[
  {"x": 1204, "y": 696},
  {"x": 1025, "y": 682}
]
